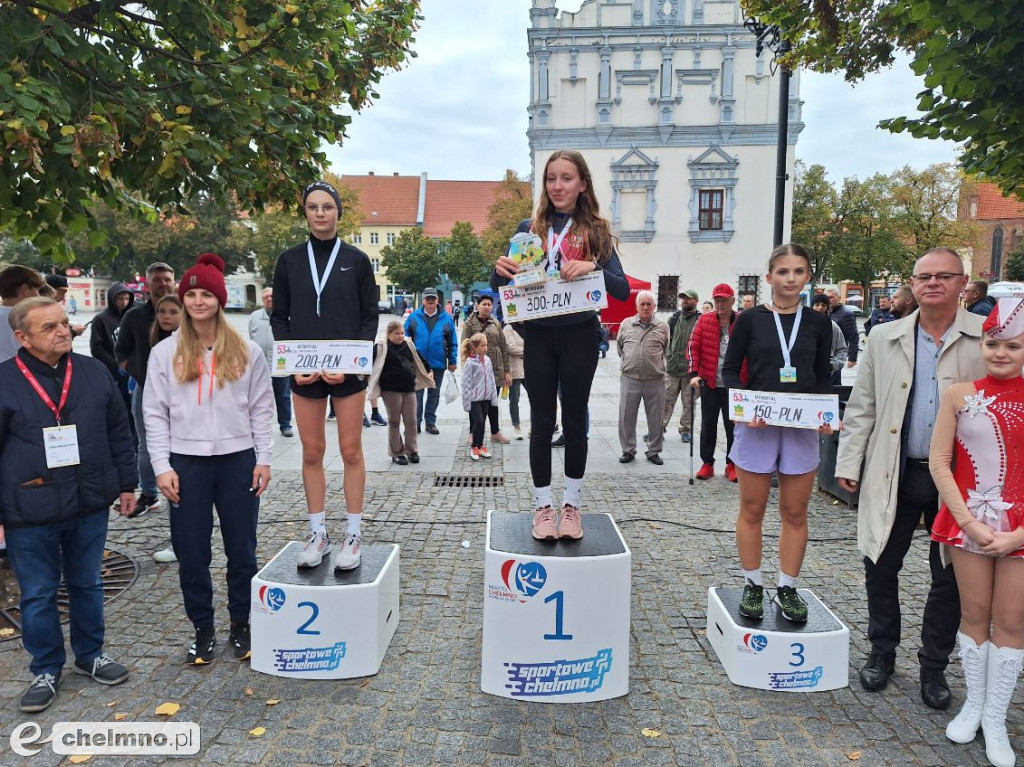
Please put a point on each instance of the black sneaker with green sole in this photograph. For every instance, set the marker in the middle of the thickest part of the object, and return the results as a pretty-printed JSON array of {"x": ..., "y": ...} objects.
[
  {"x": 752, "y": 602},
  {"x": 794, "y": 609}
]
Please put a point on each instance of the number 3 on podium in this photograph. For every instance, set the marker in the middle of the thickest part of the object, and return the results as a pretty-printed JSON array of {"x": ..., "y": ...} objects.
[{"x": 559, "y": 599}]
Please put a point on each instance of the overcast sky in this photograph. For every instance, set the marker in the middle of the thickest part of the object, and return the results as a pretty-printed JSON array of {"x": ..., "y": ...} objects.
[{"x": 458, "y": 110}]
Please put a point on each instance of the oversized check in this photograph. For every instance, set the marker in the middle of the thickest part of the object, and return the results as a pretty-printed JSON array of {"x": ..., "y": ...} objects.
[
  {"x": 303, "y": 357},
  {"x": 554, "y": 297},
  {"x": 800, "y": 411}
]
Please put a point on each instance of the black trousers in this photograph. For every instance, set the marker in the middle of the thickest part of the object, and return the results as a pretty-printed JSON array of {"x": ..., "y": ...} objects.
[
  {"x": 477, "y": 420},
  {"x": 559, "y": 357},
  {"x": 916, "y": 496},
  {"x": 714, "y": 402}
]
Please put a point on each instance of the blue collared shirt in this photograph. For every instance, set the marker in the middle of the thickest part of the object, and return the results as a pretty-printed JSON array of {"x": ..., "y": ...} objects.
[{"x": 924, "y": 404}]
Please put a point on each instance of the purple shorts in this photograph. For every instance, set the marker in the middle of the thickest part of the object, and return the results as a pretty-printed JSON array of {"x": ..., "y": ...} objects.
[{"x": 775, "y": 448}]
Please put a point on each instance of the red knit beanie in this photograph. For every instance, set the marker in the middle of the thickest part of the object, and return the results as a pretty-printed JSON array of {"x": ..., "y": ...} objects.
[{"x": 207, "y": 274}]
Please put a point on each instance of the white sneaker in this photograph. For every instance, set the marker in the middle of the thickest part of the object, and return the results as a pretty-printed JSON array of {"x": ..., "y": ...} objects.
[
  {"x": 348, "y": 556},
  {"x": 165, "y": 556},
  {"x": 518, "y": 433},
  {"x": 313, "y": 552}
]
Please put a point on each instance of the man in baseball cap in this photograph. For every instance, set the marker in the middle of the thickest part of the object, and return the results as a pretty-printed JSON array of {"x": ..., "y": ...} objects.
[{"x": 677, "y": 375}]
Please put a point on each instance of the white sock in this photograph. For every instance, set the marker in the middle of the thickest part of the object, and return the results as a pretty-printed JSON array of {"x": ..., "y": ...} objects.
[
  {"x": 318, "y": 522},
  {"x": 573, "y": 491},
  {"x": 786, "y": 580},
  {"x": 754, "y": 576},
  {"x": 353, "y": 523},
  {"x": 541, "y": 497}
]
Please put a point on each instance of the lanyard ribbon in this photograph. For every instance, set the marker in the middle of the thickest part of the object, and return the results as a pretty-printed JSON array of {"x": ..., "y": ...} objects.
[
  {"x": 787, "y": 347},
  {"x": 555, "y": 245},
  {"x": 42, "y": 393},
  {"x": 320, "y": 282}
]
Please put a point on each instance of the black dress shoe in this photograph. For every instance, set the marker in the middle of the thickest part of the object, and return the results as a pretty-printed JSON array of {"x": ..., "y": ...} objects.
[
  {"x": 431, "y": 429},
  {"x": 876, "y": 672},
  {"x": 401, "y": 460},
  {"x": 626, "y": 458},
  {"x": 414, "y": 457},
  {"x": 934, "y": 690},
  {"x": 655, "y": 459}
]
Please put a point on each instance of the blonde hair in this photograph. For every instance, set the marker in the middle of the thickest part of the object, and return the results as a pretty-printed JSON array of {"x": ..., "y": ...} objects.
[
  {"x": 393, "y": 326},
  {"x": 471, "y": 344},
  {"x": 230, "y": 353}
]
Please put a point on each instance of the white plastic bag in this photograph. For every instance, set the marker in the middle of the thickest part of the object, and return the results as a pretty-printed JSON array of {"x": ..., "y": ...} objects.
[{"x": 451, "y": 389}]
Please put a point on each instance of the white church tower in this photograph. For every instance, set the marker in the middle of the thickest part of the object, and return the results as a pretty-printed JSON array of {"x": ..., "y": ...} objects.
[{"x": 678, "y": 119}]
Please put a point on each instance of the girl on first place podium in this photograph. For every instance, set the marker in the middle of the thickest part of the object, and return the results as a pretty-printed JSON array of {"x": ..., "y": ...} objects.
[
  {"x": 975, "y": 459},
  {"x": 780, "y": 346},
  {"x": 560, "y": 352}
]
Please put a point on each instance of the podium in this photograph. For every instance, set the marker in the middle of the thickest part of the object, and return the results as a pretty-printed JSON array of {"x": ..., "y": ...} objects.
[
  {"x": 316, "y": 623},
  {"x": 775, "y": 654},
  {"x": 556, "y": 613}
]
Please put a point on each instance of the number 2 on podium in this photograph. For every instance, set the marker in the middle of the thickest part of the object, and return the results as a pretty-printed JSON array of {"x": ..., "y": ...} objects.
[{"x": 559, "y": 599}]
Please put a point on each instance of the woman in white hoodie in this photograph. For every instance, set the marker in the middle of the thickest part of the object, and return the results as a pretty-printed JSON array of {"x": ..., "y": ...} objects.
[{"x": 209, "y": 410}]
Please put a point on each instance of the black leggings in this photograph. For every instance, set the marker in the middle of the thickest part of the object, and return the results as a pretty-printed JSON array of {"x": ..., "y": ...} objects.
[{"x": 559, "y": 357}]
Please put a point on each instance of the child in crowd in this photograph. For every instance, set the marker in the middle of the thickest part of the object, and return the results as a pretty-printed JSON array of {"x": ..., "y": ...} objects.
[
  {"x": 479, "y": 391},
  {"x": 398, "y": 373},
  {"x": 975, "y": 462},
  {"x": 168, "y": 319},
  {"x": 780, "y": 346}
]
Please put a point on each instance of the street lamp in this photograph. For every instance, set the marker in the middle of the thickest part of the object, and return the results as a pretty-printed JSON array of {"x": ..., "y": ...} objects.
[{"x": 770, "y": 37}]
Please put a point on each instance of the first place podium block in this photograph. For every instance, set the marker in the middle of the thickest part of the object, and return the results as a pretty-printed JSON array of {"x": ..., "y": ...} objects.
[
  {"x": 556, "y": 613},
  {"x": 774, "y": 654},
  {"x": 315, "y": 623}
]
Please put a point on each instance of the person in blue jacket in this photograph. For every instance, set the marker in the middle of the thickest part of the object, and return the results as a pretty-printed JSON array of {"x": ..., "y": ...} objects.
[
  {"x": 560, "y": 355},
  {"x": 65, "y": 455},
  {"x": 432, "y": 330}
]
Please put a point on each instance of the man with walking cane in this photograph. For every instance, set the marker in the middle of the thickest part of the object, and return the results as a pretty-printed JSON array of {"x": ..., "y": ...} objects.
[{"x": 677, "y": 374}]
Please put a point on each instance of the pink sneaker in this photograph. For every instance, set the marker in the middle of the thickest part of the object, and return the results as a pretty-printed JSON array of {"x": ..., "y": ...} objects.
[
  {"x": 544, "y": 524},
  {"x": 474, "y": 453},
  {"x": 500, "y": 438},
  {"x": 571, "y": 524},
  {"x": 483, "y": 452}
]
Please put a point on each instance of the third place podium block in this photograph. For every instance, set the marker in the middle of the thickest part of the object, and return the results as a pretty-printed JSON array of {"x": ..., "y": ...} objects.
[
  {"x": 318, "y": 623},
  {"x": 556, "y": 613},
  {"x": 774, "y": 654}
]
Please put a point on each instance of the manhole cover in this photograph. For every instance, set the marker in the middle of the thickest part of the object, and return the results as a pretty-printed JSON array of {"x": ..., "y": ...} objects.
[
  {"x": 119, "y": 572},
  {"x": 466, "y": 480}
]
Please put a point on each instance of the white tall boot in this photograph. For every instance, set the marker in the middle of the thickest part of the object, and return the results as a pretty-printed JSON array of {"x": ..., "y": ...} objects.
[
  {"x": 1004, "y": 666},
  {"x": 974, "y": 660}
]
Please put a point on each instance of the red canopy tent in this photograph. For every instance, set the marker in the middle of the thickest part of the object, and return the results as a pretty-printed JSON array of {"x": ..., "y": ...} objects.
[{"x": 617, "y": 311}]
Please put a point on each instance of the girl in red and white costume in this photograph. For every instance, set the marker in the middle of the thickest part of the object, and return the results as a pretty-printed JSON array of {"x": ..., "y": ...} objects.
[{"x": 976, "y": 452}]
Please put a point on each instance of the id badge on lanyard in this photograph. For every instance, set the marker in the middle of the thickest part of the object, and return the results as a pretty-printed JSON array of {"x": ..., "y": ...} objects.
[
  {"x": 787, "y": 373},
  {"x": 61, "y": 446}
]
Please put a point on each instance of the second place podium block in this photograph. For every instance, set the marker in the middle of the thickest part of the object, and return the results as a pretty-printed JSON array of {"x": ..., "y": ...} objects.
[
  {"x": 556, "y": 613},
  {"x": 317, "y": 623}
]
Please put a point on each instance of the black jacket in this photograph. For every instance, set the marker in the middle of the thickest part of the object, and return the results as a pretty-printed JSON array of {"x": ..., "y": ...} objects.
[
  {"x": 847, "y": 323},
  {"x": 30, "y": 493},
  {"x": 105, "y": 325},
  {"x": 132, "y": 341},
  {"x": 348, "y": 304}
]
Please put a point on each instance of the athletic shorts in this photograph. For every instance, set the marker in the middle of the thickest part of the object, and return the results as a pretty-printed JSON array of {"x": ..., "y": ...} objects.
[
  {"x": 320, "y": 389},
  {"x": 775, "y": 448}
]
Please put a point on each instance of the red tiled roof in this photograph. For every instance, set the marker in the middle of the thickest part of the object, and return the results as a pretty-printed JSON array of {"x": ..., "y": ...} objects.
[
  {"x": 452, "y": 201},
  {"x": 394, "y": 199},
  {"x": 992, "y": 204}
]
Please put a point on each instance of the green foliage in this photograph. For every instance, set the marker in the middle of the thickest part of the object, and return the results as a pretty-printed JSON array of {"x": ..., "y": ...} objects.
[
  {"x": 969, "y": 54},
  {"x": 512, "y": 204},
  {"x": 1014, "y": 268},
  {"x": 21, "y": 251},
  {"x": 177, "y": 101},
  {"x": 413, "y": 261},
  {"x": 462, "y": 257}
]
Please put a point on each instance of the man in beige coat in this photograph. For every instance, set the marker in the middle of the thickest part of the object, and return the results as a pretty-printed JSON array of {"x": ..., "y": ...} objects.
[
  {"x": 887, "y": 434},
  {"x": 643, "y": 346}
]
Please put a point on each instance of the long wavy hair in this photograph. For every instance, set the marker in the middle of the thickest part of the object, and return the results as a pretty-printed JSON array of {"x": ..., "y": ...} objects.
[
  {"x": 230, "y": 352},
  {"x": 599, "y": 242}
]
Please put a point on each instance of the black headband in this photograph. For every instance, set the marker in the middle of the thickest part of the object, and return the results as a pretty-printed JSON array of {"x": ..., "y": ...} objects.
[{"x": 322, "y": 186}]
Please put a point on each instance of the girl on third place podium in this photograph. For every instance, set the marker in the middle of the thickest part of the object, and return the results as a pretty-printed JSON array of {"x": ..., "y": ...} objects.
[
  {"x": 324, "y": 290},
  {"x": 209, "y": 410},
  {"x": 780, "y": 346},
  {"x": 561, "y": 352},
  {"x": 975, "y": 459}
]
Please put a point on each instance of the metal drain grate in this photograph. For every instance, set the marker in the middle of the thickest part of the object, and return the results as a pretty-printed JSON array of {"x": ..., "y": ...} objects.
[
  {"x": 467, "y": 480},
  {"x": 119, "y": 572}
]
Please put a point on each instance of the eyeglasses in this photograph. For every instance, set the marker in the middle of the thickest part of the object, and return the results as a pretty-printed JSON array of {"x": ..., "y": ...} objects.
[
  {"x": 327, "y": 209},
  {"x": 940, "y": 276}
]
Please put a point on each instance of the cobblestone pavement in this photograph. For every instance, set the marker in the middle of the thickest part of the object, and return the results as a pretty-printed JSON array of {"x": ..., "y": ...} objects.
[{"x": 425, "y": 706}]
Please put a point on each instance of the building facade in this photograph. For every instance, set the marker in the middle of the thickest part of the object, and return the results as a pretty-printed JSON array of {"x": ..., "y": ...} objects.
[
  {"x": 677, "y": 117},
  {"x": 1002, "y": 222}
]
